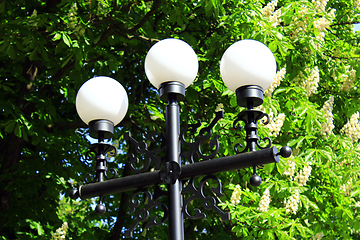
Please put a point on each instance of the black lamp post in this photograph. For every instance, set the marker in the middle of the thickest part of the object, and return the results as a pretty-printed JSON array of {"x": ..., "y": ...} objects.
[{"x": 247, "y": 67}]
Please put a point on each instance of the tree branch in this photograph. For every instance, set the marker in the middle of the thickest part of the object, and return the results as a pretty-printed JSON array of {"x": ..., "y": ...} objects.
[
  {"x": 343, "y": 23},
  {"x": 155, "y": 6}
]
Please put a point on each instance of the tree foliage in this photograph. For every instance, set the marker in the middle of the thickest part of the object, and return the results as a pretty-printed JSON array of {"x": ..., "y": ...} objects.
[{"x": 48, "y": 49}]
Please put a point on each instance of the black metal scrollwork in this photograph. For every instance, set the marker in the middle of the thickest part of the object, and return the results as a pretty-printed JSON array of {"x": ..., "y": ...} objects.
[
  {"x": 204, "y": 136},
  {"x": 142, "y": 148},
  {"x": 100, "y": 150},
  {"x": 209, "y": 202},
  {"x": 143, "y": 214},
  {"x": 250, "y": 117}
]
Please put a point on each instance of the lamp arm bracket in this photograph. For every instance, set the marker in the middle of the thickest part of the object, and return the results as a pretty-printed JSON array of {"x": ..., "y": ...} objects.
[
  {"x": 251, "y": 117},
  {"x": 143, "y": 214},
  {"x": 194, "y": 148},
  {"x": 208, "y": 202},
  {"x": 142, "y": 148}
]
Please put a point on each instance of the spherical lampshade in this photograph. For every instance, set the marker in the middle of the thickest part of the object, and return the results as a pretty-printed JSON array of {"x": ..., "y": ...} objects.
[
  {"x": 248, "y": 62},
  {"x": 171, "y": 60},
  {"x": 102, "y": 98}
]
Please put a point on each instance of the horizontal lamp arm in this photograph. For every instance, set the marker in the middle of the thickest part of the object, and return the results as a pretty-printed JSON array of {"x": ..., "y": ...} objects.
[{"x": 128, "y": 183}]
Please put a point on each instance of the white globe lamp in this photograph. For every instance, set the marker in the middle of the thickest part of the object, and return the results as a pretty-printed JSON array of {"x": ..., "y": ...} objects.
[
  {"x": 102, "y": 103},
  {"x": 171, "y": 61},
  {"x": 248, "y": 63}
]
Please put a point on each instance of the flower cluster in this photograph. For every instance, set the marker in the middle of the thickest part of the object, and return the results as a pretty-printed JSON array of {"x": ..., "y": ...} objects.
[
  {"x": 275, "y": 18},
  {"x": 236, "y": 195},
  {"x": 357, "y": 204},
  {"x": 321, "y": 24},
  {"x": 346, "y": 188},
  {"x": 72, "y": 15},
  {"x": 299, "y": 25},
  {"x": 348, "y": 79},
  {"x": 102, "y": 9},
  {"x": 290, "y": 171},
  {"x": 291, "y": 204},
  {"x": 275, "y": 125},
  {"x": 320, "y": 5},
  {"x": 60, "y": 232},
  {"x": 357, "y": 4},
  {"x": 303, "y": 176},
  {"x": 311, "y": 83},
  {"x": 328, "y": 126},
  {"x": 279, "y": 76},
  {"x": 264, "y": 201},
  {"x": 32, "y": 21},
  {"x": 320, "y": 39},
  {"x": 317, "y": 236},
  {"x": 269, "y": 9},
  {"x": 352, "y": 128}
]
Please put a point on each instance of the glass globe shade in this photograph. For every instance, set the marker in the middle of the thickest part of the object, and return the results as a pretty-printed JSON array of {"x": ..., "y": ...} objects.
[
  {"x": 102, "y": 98},
  {"x": 171, "y": 60},
  {"x": 248, "y": 62}
]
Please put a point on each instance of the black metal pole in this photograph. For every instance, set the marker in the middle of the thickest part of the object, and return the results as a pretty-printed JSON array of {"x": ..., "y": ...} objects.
[
  {"x": 224, "y": 164},
  {"x": 176, "y": 228}
]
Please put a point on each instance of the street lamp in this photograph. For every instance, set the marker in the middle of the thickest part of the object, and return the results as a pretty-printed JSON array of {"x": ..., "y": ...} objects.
[{"x": 247, "y": 68}]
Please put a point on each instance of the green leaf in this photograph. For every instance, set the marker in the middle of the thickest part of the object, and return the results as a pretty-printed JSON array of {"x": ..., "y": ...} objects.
[
  {"x": 11, "y": 52},
  {"x": 2, "y": 6},
  {"x": 35, "y": 225},
  {"x": 67, "y": 40},
  {"x": 269, "y": 168},
  {"x": 273, "y": 46},
  {"x": 17, "y": 130},
  {"x": 10, "y": 126},
  {"x": 57, "y": 37},
  {"x": 33, "y": 54},
  {"x": 68, "y": 58}
]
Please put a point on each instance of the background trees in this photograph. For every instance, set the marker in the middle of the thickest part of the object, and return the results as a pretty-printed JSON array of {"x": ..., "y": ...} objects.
[{"x": 49, "y": 48}]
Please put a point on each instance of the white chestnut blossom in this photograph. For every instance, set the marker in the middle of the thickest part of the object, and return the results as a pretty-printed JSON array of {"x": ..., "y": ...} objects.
[
  {"x": 275, "y": 125},
  {"x": 348, "y": 79},
  {"x": 320, "y": 39},
  {"x": 346, "y": 188},
  {"x": 269, "y": 9},
  {"x": 61, "y": 232},
  {"x": 357, "y": 204},
  {"x": 310, "y": 83},
  {"x": 357, "y": 4},
  {"x": 290, "y": 171},
  {"x": 328, "y": 126},
  {"x": 279, "y": 76},
  {"x": 303, "y": 176},
  {"x": 321, "y": 24},
  {"x": 318, "y": 236},
  {"x": 102, "y": 9},
  {"x": 275, "y": 18},
  {"x": 320, "y": 5},
  {"x": 264, "y": 201},
  {"x": 352, "y": 128},
  {"x": 292, "y": 203},
  {"x": 72, "y": 15},
  {"x": 236, "y": 195},
  {"x": 299, "y": 24}
]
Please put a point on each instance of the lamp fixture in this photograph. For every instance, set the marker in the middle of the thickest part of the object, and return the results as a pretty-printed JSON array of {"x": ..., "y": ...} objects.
[{"x": 247, "y": 68}]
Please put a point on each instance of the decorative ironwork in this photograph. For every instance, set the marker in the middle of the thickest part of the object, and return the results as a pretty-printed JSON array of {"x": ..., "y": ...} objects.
[
  {"x": 142, "y": 148},
  {"x": 250, "y": 117},
  {"x": 204, "y": 136},
  {"x": 143, "y": 214},
  {"x": 209, "y": 202},
  {"x": 100, "y": 150},
  {"x": 170, "y": 172}
]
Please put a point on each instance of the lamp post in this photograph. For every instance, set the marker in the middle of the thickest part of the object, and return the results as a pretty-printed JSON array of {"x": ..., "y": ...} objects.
[{"x": 247, "y": 68}]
